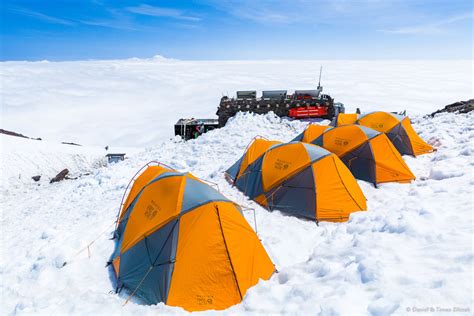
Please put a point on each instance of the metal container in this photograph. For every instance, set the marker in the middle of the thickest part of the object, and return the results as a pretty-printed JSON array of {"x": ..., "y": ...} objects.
[
  {"x": 246, "y": 94},
  {"x": 306, "y": 94},
  {"x": 274, "y": 94}
]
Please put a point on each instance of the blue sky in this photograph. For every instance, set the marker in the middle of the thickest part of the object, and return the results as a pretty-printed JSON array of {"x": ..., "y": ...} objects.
[{"x": 231, "y": 29}]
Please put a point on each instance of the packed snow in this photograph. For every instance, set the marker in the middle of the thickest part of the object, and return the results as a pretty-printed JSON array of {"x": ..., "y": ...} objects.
[
  {"x": 135, "y": 102},
  {"x": 411, "y": 249}
]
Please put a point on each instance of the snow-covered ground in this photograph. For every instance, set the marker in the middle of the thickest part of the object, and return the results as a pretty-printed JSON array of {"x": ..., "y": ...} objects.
[
  {"x": 411, "y": 249},
  {"x": 22, "y": 158},
  {"x": 135, "y": 102}
]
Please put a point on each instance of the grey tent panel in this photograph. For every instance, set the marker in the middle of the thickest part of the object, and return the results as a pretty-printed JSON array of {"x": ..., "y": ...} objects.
[
  {"x": 149, "y": 264},
  {"x": 361, "y": 163},
  {"x": 399, "y": 137},
  {"x": 298, "y": 138},
  {"x": 296, "y": 196},
  {"x": 234, "y": 169},
  {"x": 250, "y": 181},
  {"x": 318, "y": 141},
  {"x": 315, "y": 152},
  {"x": 371, "y": 133},
  {"x": 197, "y": 193}
]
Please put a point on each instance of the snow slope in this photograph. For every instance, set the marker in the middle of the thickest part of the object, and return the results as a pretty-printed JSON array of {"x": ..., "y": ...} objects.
[
  {"x": 135, "y": 102},
  {"x": 22, "y": 158},
  {"x": 412, "y": 248}
]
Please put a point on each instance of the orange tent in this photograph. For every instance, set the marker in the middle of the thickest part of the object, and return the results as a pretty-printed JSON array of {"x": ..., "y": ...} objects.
[
  {"x": 299, "y": 179},
  {"x": 181, "y": 242},
  {"x": 345, "y": 119},
  {"x": 368, "y": 154},
  {"x": 397, "y": 128}
]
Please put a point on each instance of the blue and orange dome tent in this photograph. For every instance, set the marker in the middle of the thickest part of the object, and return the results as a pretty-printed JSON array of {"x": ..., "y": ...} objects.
[
  {"x": 368, "y": 154},
  {"x": 299, "y": 179},
  {"x": 397, "y": 127},
  {"x": 181, "y": 242}
]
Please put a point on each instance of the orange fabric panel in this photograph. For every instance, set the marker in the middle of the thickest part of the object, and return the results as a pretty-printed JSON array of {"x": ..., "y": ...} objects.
[
  {"x": 282, "y": 162},
  {"x": 389, "y": 164},
  {"x": 158, "y": 204},
  {"x": 116, "y": 265},
  {"x": 341, "y": 140},
  {"x": 249, "y": 259},
  {"x": 262, "y": 200},
  {"x": 346, "y": 119},
  {"x": 146, "y": 176},
  {"x": 202, "y": 278},
  {"x": 312, "y": 132},
  {"x": 380, "y": 121},
  {"x": 337, "y": 192},
  {"x": 419, "y": 145},
  {"x": 258, "y": 147}
]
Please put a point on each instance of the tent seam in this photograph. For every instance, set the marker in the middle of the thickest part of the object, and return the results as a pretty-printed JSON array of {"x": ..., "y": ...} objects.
[{"x": 227, "y": 250}]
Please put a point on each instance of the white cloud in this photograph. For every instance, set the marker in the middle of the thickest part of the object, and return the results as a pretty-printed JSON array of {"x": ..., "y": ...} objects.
[
  {"x": 42, "y": 17},
  {"x": 438, "y": 27},
  {"x": 309, "y": 12},
  {"x": 114, "y": 24},
  {"x": 149, "y": 10}
]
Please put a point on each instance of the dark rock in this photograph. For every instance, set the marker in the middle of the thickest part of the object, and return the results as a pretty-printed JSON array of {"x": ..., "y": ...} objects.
[
  {"x": 60, "y": 176},
  {"x": 69, "y": 143},
  {"x": 457, "y": 107},
  {"x": 36, "y": 178},
  {"x": 10, "y": 133}
]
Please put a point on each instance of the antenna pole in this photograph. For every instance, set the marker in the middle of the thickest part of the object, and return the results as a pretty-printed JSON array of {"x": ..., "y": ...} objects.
[{"x": 320, "y": 71}]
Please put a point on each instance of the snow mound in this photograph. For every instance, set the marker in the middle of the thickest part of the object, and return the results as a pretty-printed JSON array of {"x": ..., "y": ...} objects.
[{"x": 412, "y": 248}]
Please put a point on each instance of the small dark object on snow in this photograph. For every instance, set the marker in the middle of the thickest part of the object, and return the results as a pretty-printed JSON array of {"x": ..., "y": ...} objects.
[
  {"x": 69, "y": 143},
  {"x": 107, "y": 147},
  {"x": 60, "y": 176},
  {"x": 10, "y": 133},
  {"x": 36, "y": 178},
  {"x": 460, "y": 107},
  {"x": 115, "y": 157}
]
